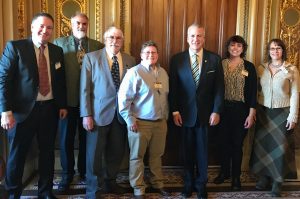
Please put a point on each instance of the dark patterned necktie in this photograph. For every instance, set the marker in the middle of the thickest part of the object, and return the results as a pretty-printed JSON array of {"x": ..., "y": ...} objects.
[
  {"x": 44, "y": 86},
  {"x": 80, "y": 53},
  {"x": 195, "y": 69},
  {"x": 115, "y": 72}
]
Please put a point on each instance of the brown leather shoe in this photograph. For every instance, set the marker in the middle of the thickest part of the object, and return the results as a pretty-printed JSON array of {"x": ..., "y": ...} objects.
[{"x": 161, "y": 191}]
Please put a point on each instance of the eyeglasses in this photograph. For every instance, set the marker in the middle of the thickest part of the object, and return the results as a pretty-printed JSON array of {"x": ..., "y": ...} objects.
[
  {"x": 150, "y": 52},
  {"x": 276, "y": 49},
  {"x": 111, "y": 38}
]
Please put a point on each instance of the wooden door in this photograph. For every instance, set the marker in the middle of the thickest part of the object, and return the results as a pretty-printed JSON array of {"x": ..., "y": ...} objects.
[{"x": 166, "y": 23}]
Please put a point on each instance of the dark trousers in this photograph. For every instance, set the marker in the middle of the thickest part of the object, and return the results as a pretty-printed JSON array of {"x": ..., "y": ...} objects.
[
  {"x": 42, "y": 123},
  {"x": 231, "y": 137},
  {"x": 195, "y": 155},
  {"x": 67, "y": 132},
  {"x": 104, "y": 154}
]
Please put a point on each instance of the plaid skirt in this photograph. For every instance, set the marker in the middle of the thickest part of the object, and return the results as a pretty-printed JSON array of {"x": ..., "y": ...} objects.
[{"x": 273, "y": 151}]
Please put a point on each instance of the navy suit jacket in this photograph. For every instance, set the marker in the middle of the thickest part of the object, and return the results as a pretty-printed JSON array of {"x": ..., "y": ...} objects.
[
  {"x": 195, "y": 104},
  {"x": 19, "y": 79}
]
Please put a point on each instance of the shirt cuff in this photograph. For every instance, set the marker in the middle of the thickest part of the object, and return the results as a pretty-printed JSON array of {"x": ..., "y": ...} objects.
[{"x": 6, "y": 114}]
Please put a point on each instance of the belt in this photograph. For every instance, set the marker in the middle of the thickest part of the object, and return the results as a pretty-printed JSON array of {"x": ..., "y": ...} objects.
[
  {"x": 44, "y": 102},
  {"x": 147, "y": 120}
]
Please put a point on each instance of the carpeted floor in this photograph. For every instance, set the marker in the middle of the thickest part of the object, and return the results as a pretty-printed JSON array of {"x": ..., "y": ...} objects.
[{"x": 173, "y": 183}]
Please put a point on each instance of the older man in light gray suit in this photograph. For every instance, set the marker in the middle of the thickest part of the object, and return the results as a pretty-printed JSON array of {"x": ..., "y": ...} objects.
[{"x": 101, "y": 74}]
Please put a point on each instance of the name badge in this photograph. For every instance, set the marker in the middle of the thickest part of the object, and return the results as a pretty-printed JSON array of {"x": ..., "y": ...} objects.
[
  {"x": 245, "y": 73},
  {"x": 158, "y": 85}
]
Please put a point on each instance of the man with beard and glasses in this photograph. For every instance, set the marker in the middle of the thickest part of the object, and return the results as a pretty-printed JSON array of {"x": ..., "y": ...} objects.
[
  {"x": 74, "y": 47},
  {"x": 101, "y": 74}
]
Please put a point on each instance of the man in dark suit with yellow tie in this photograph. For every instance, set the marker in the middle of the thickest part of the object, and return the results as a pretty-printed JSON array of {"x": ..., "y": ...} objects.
[
  {"x": 74, "y": 47},
  {"x": 32, "y": 98},
  {"x": 196, "y": 100}
]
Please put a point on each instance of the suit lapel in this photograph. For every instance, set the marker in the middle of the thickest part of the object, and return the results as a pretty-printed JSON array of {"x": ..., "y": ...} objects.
[
  {"x": 31, "y": 52},
  {"x": 71, "y": 44},
  {"x": 204, "y": 66},
  {"x": 51, "y": 61},
  {"x": 106, "y": 68},
  {"x": 187, "y": 70}
]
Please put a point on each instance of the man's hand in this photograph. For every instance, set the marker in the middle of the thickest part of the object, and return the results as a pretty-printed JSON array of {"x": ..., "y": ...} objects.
[
  {"x": 7, "y": 121},
  {"x": 133, "y": 127},
  {"x": 88, "y": 123},
  {"x": 177, "y": 119},
  {"x": 214, "y": 119},
  {"x": 63, "y": 113}
]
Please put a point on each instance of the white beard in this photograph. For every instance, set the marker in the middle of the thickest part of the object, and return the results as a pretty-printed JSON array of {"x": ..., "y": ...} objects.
[{"x": 80, "y": 34}]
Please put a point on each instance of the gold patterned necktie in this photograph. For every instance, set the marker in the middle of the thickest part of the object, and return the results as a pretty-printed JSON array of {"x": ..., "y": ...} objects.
[
  {"x": 80, "y": 53},
  {"x": 195, "y": 69},
  {"x": 44, "y": 86}
]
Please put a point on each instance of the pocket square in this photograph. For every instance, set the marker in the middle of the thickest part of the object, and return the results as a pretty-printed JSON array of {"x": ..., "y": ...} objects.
[
  {"x": 211, "y": 71},
  {"x": 57, "y": 65}
]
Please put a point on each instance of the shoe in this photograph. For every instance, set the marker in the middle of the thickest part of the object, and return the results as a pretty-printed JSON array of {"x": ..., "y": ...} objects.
[
  {"x": 221, "y": 178},
  {"x": 276, "y": 189},
  {"x": 186, "y": 193},
  {"x": 262, "y": 183},
  {"x": 202, "y": 195},
  {"x": 63, "y": 186},
  {"x": 236, "y": 184},
  {"x": 49, "y": 196},
  {"x": 113, "y": 187},
  {"x": 161, "y": 191},
  {"x": 139, "y": 196}
]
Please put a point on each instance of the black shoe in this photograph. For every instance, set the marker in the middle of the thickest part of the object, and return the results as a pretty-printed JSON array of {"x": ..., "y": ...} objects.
[
  {"x": 63, "y": 186},
  {"x": 186, "y": 193},
  {"x": 221, "y": 178},
  {"x": 276, "y": 189},
  {"x": 139, "y": 196},
  {"x": 49, "y": 196},
  {"x": 161, "y": 191},
  {"x": 113, "y": 187},
  {"x": 202, "y": 195},
  {"x": 263, "y": 183},
  {"x": 236, "y": 184}
]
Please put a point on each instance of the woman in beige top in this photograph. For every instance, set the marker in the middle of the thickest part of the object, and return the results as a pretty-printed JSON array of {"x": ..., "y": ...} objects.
[{"x": 273, "y": 157}]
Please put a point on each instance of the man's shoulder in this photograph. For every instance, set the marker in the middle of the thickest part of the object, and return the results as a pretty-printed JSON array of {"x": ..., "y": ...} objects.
[
  {"x": 94, "y": 44},
  {"x": 211, "y": 54}
]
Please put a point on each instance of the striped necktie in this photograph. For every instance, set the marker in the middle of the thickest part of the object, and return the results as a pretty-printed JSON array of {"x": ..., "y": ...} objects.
[
  {"x": 195, "y": 69},
  {"x": 44, "y": 86},
  {"x": 115, "y": 72}
]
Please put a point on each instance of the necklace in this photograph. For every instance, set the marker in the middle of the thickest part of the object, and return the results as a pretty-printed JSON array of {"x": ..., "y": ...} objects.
[{"x": 276, "y": 65}]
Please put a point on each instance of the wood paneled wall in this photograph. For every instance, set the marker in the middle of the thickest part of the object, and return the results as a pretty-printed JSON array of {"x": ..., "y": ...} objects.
[{"x": 166, "y": 23}]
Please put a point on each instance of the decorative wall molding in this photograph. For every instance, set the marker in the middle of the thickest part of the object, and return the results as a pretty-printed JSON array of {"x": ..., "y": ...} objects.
[
  {"x": 290, "y": 32},
  {"x": 21, "y": 20},
  {"x": 99, "y": 19},
  {"x": 44, "y": 6},
  {"x": 63, "y": 22}
]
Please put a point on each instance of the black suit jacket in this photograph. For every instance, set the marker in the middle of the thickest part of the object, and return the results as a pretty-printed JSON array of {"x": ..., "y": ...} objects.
[
  {"x": 19, "y": 80},
  {"x": 196, "y": 104}
]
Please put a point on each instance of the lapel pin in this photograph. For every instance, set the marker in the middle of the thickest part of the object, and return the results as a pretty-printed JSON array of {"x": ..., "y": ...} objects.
[{"x": 205, "y": 61}]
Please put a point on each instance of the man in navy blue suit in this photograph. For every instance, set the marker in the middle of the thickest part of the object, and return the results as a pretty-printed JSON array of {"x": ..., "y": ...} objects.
[
  {"x": 196, "y": 100},
  {"x": 32, "y": 98}
]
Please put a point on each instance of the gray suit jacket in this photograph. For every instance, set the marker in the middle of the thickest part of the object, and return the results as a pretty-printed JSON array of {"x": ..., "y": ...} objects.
[
  {"x": 72, "y": 66},
  {"x": 98, "y": 96}
]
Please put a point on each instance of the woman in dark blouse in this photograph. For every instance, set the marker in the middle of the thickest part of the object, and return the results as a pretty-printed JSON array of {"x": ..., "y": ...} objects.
[{"x": 239, "y": 109}]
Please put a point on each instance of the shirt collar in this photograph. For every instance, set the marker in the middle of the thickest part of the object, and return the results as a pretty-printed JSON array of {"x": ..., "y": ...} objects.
[
  {"x": 37, "y": 44},
  {"x": 110, "y": 55},
  {"x": 200, "y": 53}
]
